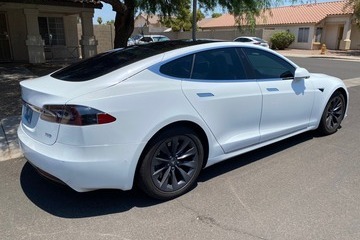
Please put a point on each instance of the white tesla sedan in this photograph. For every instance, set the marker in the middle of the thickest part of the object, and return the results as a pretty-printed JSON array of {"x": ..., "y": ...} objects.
[{"x": 156, "y": 114}]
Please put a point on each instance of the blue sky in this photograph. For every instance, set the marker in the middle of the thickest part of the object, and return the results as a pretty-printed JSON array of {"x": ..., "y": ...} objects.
[{"x": 107, "y": 14}]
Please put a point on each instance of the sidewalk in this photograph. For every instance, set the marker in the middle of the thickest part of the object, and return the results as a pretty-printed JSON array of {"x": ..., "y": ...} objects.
[
  {"x": 10, "y": 98},
  {"x": 332, "y": 54},
  {"x": 9, "y": 145}
]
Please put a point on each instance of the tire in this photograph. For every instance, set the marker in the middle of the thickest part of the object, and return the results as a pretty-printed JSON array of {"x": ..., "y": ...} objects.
[
  {"x": 333, "y": 114},
  {"x": 171, "y": 164}
]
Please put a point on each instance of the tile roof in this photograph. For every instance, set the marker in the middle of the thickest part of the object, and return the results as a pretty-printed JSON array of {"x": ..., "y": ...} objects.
[
  {"x": 297, "y": 14},
  {"x": 203, "y": 21}
]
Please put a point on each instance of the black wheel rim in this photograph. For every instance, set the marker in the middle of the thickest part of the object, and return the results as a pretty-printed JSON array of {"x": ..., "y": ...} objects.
[
  {"x": 174, "y": 163},
  {"x": 335, "y": 113}
]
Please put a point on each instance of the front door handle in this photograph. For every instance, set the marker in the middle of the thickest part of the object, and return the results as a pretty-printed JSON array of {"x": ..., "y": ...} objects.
[{"x": 272, "y": 89}]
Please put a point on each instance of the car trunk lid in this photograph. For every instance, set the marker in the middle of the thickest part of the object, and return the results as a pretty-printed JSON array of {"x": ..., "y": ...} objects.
[{"x": 36, "y": 93}]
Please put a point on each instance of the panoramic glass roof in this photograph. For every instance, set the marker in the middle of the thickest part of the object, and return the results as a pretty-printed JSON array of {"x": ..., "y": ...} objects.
[{"x": 107, "y": 62}]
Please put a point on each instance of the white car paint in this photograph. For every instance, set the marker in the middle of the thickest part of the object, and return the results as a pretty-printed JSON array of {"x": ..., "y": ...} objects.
[{"x": 236, "y": 116}]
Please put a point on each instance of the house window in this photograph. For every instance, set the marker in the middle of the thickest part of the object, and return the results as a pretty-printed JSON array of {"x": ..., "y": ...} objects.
[
  {"x": 52, "y": 30},
  {"x": 318, "y": 34},
  {"x": 303, "y": 35}
]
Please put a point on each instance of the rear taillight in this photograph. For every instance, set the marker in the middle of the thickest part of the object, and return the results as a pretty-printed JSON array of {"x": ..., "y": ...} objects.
[{"x": 75, "y": 115}]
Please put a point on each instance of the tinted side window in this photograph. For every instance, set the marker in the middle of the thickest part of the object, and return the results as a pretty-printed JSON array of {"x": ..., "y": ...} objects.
[
  {"x": 179, "y": 68},
  {"x": 146, "y": 39},
  {"x": 160, "y": 39},
  {"x": 218, "y": 64},
  {"x": 243, "y": 40},
  {"x": 268, "y": 65}
]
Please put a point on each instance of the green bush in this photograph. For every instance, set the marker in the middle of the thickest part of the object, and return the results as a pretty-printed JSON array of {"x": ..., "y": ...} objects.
[{"x": 282, "y": 40}]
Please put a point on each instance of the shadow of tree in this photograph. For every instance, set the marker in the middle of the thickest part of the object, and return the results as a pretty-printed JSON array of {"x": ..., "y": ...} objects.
[
  {"x": 10, "y": 76},
  {"x": 9, "y": 144}
]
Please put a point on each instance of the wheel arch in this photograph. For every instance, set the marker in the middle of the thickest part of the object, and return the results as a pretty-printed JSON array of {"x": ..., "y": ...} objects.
[
  {"x": 344, "y": 93},
  {"x": 188, "y": 124}
]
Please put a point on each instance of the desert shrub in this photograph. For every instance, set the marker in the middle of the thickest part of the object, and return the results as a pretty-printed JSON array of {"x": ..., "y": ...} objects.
[{"x": 282, "y": 40}]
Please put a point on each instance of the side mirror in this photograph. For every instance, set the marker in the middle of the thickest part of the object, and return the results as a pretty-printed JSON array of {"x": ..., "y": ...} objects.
[{"x": 301, "y": 73}]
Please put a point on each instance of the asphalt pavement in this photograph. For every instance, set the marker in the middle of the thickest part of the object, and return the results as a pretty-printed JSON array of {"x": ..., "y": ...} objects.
[
  {"x": 306, "y": 187},
  {"x": 12, "y": 73}
]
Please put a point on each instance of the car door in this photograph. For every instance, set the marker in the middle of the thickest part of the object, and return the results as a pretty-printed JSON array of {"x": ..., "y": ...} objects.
[
  {"x": 228, "y": 102},
  {"x": 287, "y": 103}
]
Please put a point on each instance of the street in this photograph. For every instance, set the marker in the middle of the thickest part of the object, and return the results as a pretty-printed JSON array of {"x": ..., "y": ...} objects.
[
  {"x": 306, "y": 187},
  {"x": 341, "y": 69}
]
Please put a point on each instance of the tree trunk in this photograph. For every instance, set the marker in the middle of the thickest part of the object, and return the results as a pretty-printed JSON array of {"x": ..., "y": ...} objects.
[{"x": 124, "y": 25}]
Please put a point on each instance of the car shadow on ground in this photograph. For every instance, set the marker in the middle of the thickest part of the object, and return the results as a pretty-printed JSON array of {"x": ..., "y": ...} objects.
[{"x": 61, "y": 201}]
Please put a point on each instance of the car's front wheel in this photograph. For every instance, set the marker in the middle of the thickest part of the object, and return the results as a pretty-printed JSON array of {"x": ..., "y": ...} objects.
[
  {"x": 333, "y": 114},
  {"x": 171, "y": 164}
]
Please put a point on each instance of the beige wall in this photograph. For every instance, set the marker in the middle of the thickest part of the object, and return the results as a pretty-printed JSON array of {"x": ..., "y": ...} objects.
[
  {"x": 355, "y": 37},
  {"x": 105, "y": 37},
  {"x": 17, "y": 34},
  {"x": 71, "y": 36},
  {"x": 331, "y": 36},
  {"x": 332, "y": 25},
  {"x": 267, "y": 34},
  {"x": 302, "y": 45},
  {"x": 223, "y": 34}
]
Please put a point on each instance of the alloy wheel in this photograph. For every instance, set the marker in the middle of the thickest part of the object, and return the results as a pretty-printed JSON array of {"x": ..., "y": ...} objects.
[
  {"x": 335, "y": 113},
  {"x": 174, "y": 163}
]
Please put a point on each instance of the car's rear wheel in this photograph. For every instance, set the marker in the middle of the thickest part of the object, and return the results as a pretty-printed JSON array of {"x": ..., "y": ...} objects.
[
  {"x": 171, "y": 164},
  {"x": 333, "y": 114}
]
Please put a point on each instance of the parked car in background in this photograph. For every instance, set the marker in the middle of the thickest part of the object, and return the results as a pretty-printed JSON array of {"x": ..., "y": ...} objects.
[
  {"x": 130, "y": 42},
  {"x": 136, "y": 37},
  {"x": 252, "y": 40},
  {"x": 156, "y": 114},
  {"x": 152, "y": 38}
]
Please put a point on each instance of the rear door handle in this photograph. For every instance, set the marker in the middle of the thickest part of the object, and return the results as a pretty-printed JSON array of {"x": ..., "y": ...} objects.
[{"x": 206, "y": 94}]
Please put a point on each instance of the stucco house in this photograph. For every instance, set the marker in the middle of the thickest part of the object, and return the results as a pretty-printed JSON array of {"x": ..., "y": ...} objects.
[
  {"x": 150, "y": 21},
  {"x": 331, "y": 23},
  {"x": 35, "y": 31}
]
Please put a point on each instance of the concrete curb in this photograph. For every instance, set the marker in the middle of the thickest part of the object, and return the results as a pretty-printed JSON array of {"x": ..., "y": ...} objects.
[
  {"x": 334, "y": 57},
  {"x": 9, "y": 144}
]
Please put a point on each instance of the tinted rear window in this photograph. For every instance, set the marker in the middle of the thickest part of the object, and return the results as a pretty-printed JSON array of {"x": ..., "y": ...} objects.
[
  {"x": 179, "y": 68},
  {"x": 104, "y": 63}
]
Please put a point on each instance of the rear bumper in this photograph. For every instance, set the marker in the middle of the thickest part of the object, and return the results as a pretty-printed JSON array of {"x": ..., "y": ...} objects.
[{"x": 84, "y": 168}]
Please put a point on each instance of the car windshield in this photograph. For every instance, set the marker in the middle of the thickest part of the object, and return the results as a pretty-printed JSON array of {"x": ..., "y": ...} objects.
[{"x": 107, "y": 62}]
